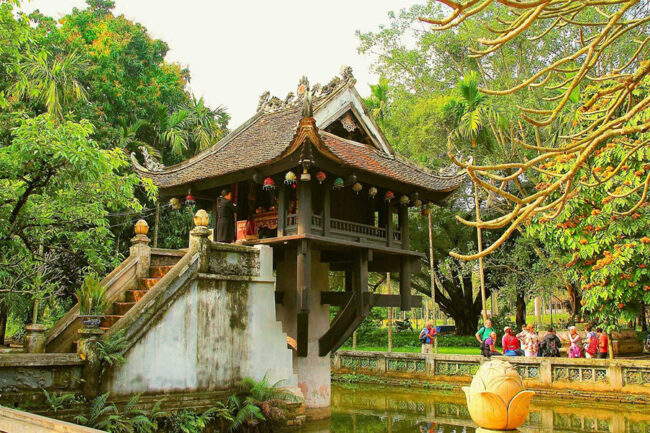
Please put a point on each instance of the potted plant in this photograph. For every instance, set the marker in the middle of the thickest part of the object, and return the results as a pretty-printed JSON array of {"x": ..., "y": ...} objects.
[{"x": 92, "y": 301}]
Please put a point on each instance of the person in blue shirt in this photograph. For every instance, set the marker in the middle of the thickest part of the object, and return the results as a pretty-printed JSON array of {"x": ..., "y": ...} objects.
[{"x": 427, "y": 335}]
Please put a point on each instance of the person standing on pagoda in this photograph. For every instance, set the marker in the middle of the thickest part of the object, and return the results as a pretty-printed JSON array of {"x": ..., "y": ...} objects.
[{"x": 226, "y": 210}]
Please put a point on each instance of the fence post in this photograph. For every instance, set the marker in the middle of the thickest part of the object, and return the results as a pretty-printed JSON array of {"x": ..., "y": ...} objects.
[{"x": 546, "y": 371}]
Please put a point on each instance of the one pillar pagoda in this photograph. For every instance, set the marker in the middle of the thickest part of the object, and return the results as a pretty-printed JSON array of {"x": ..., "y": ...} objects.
[{"x": 314, "y": 177}]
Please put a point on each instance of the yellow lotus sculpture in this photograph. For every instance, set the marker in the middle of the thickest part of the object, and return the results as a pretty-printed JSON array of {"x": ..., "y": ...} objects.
[{"x": 496, "y": 398}]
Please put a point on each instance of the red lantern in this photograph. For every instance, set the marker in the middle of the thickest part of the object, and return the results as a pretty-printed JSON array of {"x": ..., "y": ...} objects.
[
  {"x": 389, "y": 195},
  {"x": 321, "y": 176},
  {"x": 269, "y": 184},
  {"x": 190, "y": 200}
]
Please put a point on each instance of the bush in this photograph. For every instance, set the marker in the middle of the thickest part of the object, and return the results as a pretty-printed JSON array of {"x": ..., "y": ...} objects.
[{"x": 378, "y": 337}]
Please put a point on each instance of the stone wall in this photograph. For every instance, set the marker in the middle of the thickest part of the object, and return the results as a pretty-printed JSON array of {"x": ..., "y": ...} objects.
[
  {"x": 560, "y": 374},
  {"x": 207, "y": 324},
  {"x": 23, "y": 376}
]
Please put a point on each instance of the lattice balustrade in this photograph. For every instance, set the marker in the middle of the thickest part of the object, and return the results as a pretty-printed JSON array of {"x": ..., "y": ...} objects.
[
  {"x": 579, "y": 374},
  {"x": 406, "y": 365},
  {"x": 358, "y": 363},
  {"x": 456, "y": 368},
  {"x": 528, "y": 371},
  {"x": 636, "y": 376},
  {"x": 577, "y": 423}
]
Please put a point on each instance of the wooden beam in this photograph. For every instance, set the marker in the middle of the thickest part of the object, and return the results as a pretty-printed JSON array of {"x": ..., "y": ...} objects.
[
  {"x": 389, "y": 226},
  {"x": 282, "y": 209},
  {"x": 360, "y": 283},
  {"x": 327, "y": 210},
  {"x": 303, "y": 285},
  {"x": 338, "y": 299},
  {"x": 404, "y": 226},
  {"x": 405, "y": 284},
  {"x": 304, "y": 208}
]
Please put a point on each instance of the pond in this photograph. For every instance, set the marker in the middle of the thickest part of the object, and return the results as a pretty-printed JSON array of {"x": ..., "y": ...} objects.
[{"x": 374, "y": 409}]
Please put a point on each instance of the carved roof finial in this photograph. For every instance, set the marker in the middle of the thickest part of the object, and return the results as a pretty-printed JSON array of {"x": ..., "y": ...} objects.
[
  {"x": 346, "y": 74},
  {"x": 303, "y": 86},
  {"x": 307, "y": 107}
]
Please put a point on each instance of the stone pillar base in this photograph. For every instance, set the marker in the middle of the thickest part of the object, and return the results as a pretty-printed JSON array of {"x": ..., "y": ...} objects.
[{"x": 35, "y": 338}]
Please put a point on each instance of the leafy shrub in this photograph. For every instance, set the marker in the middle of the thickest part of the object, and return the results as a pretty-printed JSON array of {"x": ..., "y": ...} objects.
[
  {"x": 186, "y": 421},
  {"x": 92, "y": 296},
  {"x": 109, "y": 351},
  {"x": 378, "y": 337},
  {"x": 59, "y": 401},
  {"x": 108, "y": 417}
]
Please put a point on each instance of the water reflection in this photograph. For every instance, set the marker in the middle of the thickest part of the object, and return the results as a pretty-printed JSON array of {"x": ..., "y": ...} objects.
[{"x": 372, "y": 409}]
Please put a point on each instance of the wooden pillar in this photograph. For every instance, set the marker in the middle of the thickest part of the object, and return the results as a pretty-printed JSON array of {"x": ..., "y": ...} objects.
[
  {"x": 405, "y": 284},
  {"x": 282, "y": 209},
  {"x": 327, "y": 210},
  {"x": 389, "y": 225},
  {"x": 361, "y": 282},
  {"x": 156, "y": 221},
  {"x": 404, "y": 226},
  {"x": 304, "y": 208},
  {"x": 303, "y": 281}
]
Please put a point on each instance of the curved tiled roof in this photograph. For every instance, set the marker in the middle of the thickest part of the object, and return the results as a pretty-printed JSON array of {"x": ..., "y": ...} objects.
[
  {"x": 375, "y": 161},
  {"x": 267, "y": 134}
]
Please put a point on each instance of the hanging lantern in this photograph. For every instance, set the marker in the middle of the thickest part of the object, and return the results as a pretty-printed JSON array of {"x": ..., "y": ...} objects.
[
  {"x": 357, "y": 187},
  {"x": 404, "y": 200},
  {"x": 190, "y": 200},
  {"x": 372, "y": 192},
  {"x": 338, "y": 184},
  {"x": 426, "y": 210},
  {"x": 290, "y": 178},
  {"x": 175, "y": 203},
  {"x": 269, "y": 184},
  {"x": 389, "y": 195},
  {"x": 305, "y": 176},
  {"x": 321, "y": 176},
  {"x": 415, "y": 198}
]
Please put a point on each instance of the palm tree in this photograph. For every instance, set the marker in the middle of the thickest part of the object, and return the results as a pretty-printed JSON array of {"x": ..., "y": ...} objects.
[
  {"x": 471, "y": 115},
  {"x": 52, "y": 80},
  {"x": 193, "y": 127},
  {"x": 378, "y": 100}
]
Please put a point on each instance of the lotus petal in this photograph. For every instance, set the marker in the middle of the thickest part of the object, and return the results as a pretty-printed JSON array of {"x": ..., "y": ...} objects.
[
  {"x": 518, "y": 409},
  {"x": 505, "y": 387},
  {"x": 488, "y": 410},
  {"x": 478, "y": 385}
]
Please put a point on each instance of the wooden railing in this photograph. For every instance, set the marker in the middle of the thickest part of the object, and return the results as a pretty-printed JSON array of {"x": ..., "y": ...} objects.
[
  {"x": 364, "y": 230},
  {"x": 347, "y": 230}
]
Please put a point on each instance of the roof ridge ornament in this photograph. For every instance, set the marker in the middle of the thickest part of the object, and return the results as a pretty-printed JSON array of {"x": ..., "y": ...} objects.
[
  {"x": 272, "y": 104},
  {"x": 150, "y": 162}
]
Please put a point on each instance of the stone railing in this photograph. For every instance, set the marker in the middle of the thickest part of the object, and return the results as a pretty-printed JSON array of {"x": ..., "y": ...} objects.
[
  {"x": 23, "y": 376},
  {"x": 595, "y": 375}
]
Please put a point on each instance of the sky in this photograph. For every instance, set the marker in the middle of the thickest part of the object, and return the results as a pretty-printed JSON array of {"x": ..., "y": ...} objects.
[{"x": 236, "y": 50}]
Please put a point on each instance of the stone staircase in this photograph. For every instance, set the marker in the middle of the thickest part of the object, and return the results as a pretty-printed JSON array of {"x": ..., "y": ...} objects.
[{"x": 120, "y": 308}]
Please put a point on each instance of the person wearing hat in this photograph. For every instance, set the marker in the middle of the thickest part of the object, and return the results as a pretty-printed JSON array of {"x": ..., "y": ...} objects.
[{"x": 509, "y": 342}]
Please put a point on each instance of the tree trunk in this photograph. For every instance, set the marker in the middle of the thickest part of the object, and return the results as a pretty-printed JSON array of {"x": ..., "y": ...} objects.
[
  {"x": 520, "y": 316},
  {"x": 390, "y": 316},
  {"x": 574, "y": 299},
  {"x": 642, "y": 319},
  {"x": 3, "y": 325}
]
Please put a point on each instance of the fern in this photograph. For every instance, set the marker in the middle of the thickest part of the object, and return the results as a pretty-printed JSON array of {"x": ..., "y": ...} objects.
[
  {"x": 58, "y": 401},
  {"x": 109, "y": 351}
]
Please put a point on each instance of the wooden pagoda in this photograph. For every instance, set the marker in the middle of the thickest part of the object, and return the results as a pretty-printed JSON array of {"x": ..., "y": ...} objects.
[{"x": 315, "y": 177}]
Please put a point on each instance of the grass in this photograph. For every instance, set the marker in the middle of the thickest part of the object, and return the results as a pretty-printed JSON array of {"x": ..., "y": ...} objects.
[{"x": 442, "y": 350}]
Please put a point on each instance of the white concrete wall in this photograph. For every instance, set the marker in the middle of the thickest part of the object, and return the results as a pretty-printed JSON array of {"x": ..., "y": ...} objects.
[
  {"x": 267, "y": 344},
  {"x": 313, "y": 370},
  {"x": 212, "y": 335}
]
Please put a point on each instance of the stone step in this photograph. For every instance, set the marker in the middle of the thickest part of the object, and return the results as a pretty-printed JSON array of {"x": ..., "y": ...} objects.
[
  {"x": 147, "y": 283},
  {"x": 135, "y": 295},
  {"x": 109, "y": 320},
  {"x": 159, "y": 271},
  {"x": 121, "y": 308}
]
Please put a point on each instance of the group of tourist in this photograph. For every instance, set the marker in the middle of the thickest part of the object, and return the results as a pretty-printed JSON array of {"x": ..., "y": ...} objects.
[{"x": 527, "y": 342}]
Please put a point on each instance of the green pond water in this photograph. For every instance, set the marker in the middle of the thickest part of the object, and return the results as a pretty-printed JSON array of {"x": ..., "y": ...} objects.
[{"x": 376, "y": 409}]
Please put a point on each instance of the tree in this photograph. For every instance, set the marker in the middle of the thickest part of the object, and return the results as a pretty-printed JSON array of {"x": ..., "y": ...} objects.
[
  {"x": 57, "y": 188},
  {"x": 51, "y": 80},
  {"x": 608, "y": 55}
]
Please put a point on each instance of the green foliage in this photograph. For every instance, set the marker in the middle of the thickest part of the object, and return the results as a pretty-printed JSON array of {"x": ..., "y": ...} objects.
[
  {"x": 58, "y": 401},
  {"x": 92, "y": 296},
  {"x": 379, "y": 337},
  {"x": 187, "y": 421},
  {"x": 108, "y": 417},
  {"x": 110, "y": 350}
]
